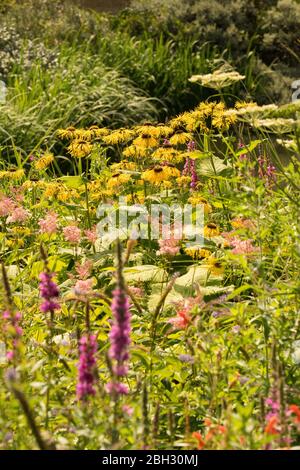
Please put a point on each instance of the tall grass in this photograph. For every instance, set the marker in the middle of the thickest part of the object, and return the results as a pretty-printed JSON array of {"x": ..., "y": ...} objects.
[
  {"x": 80, "y": 91},
  {"x": 160, "y": 67}
]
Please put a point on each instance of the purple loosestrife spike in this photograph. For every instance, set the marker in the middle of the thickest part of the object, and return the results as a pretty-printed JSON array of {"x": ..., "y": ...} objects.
[
  {"x": 12, "y": 324},
  {"x": 194, "y": 175},
  {"x": 186, "y": 168},
  {"x": 120, "y": 331},
  {"x": 190, "y": 167},
  {"x": 49, "y": 292},
  {"x": 191, "y": 146},
  {"x": 86, "y": 367},
  {"x": 243, "y": 156}
]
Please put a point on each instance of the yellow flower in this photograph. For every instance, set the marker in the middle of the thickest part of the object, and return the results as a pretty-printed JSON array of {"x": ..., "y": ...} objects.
[
  {"x": 216, "y": 266},
  {"x": 15, "y": 243},
  {"x": 167, "y": 184},
  {"x": 134, "y": 151},
  {"x": 68, "y": 133},
  {"x": 183, "y": 181},
  {"x": 199, "y": 200},
  {"x": 167, "y": 154},
  {"x": 197, "y": 252},
  {"x": 14, "y": 175},
  {"x": 146, "y": 140},
  {"x": 181, "y": 137},
  {"x": 211, "y": 230},
  {"x": 136, "y": 198},
  {"x": 25, "y": 231},
  {"x": 240, "y": 222},
  {"x": 28, "y": 184},
  {"x": 96, "y": 132},
  {"x": 118, "y": 136},
  {"x": 51, "y": 189},
  {"x": 80, "y": 148},
  {"x": 123, "y": 165},
  {"x": 222, "y": 120},
  {"x": 44, "y": 161},
  {"x": 172, "y": 171},
  {"x": 155, "y": 175},
  {"x": 148, "y": 128},
  {"x": 118, "y": 179},
  {"x": 180, "y": 121},
  {"x": 66, "y": 194},
  {"x": 164, "y": 130}
]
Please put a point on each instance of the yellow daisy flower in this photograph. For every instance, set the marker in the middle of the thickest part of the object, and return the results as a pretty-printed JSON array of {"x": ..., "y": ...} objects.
[
  {"x": 25, "y": 231},
  {"x": 181, "y": 137},
  {"x": 28, "y": 184},
  {"x": 118, "y": 136},
  {"x": 80, "y": 148},
  {"x": 133, "y": 151},
  {"x": 211, "y": 230},
  {"x": 172, "y": 171},
  {"x": 51, "y": 189},
  {"x": 14, "y": 175},
  {"x": 43, "y": 162},
  {"x": 164, "y": 130},
  {"x": 183, "y": 181},
  {"x": 155, "y": 175},
  {"x": 180, "y": 121},
  {"x": 148, "y": 128},
  {"x": 145, "y": 140},
  {"x": 216, "y": 266},
  {"x": 124, "y": 165},
  {"x": 199, "y": 200},
  {"x": 197, "y": 252},
  {"x": 95, "y": 132},
  {"x": 68, "y": 133},
  {"x": 118, "y": 179},
  {"x": 167, "y": 154}
]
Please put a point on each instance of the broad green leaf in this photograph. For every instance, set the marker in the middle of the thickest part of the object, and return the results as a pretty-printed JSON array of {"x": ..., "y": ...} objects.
[
  {"x": 71, "y": 181},
  {"x": 211, "y": 166},
  {"x": 248, "y": 148},
  {"x": 147, "y": 272}
]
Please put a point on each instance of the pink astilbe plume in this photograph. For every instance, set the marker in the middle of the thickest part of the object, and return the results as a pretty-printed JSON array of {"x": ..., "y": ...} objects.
[
  {"x": 19, "y": 214},
  {"x": 169, "y": 247},
  {"x": 72, "y": 234},
  {"x": 84, "y": 270},
  {"x": 49, "y": 223},
  {"x": 7, "y": 205},
  {"x": 83, "y": 287},
  {"x": 91, "y": 234}
]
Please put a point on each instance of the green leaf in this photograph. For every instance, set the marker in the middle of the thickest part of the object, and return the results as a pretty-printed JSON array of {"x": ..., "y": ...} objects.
[
  {"x": 196, "y": 275},
  {"x": 71, "y": 181},
  {"x": 211, "y": 166},
  {"x": 248, "y": 148},
  {"x": 147, "y": 272}
]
